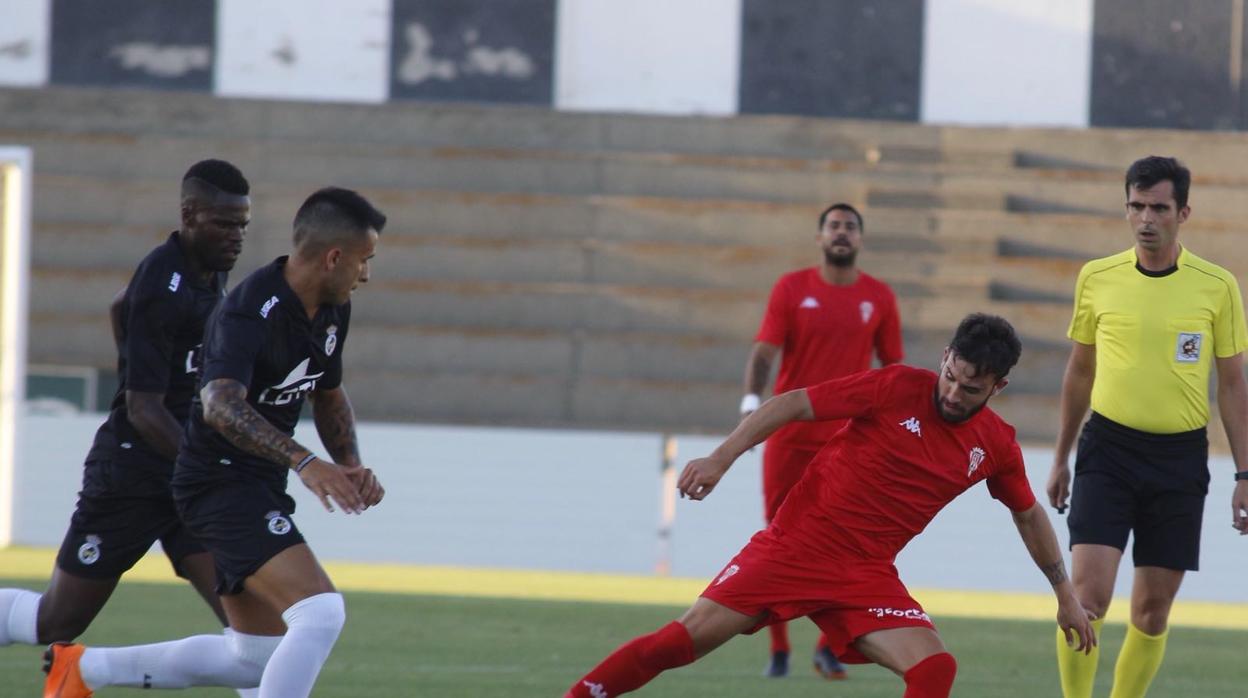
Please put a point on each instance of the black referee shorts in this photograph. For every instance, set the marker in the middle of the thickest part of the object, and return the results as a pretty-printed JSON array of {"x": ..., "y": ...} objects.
[
  {"x": 243, "y": 525},
  {"x": 1152, "y": 485},
  {"x": 124, "y": 506}
]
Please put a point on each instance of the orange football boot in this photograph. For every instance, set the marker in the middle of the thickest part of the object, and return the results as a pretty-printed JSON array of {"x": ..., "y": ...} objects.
[{"x": 60, "y": 663}]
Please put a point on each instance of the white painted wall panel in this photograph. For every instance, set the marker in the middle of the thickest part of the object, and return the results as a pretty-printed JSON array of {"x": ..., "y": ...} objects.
[
  {"x": 322, "y": 50},
  {"x": 1007, "y": 62},
  {"x": 652, "y": 56},
  {"x": 25, "y": 30}
]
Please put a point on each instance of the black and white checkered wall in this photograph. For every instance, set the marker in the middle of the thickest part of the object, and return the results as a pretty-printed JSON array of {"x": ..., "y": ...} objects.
[{"x": 1164, "y": 63}]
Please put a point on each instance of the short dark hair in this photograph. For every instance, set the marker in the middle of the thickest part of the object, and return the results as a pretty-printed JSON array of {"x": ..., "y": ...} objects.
[
  {"x": 220, "y": 174},
  {"x": 332, "y": 214},
  {"x": 1145, "y": 173},
  {"x": 823, "y": 217},
  {"x": 987, "y": 342}
]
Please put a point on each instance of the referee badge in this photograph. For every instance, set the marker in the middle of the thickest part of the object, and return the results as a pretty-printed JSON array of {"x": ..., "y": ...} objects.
[
  {"x": 1187, "y": 348},
  {"x": 331, "y": 340},
  {"x": 278, "y": 525},
  {"x": 89, "y": 551}
]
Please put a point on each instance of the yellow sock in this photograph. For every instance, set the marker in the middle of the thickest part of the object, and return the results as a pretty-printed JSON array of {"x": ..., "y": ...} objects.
[
  {"x": 1138, "y": 662},
  {"x": 1077, "y": 670}
]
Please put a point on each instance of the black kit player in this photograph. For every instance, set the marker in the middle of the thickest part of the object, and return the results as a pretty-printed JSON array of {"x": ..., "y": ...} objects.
[
  {"x": 125, "y": 504},
  {"x": 275, "y": 341}
]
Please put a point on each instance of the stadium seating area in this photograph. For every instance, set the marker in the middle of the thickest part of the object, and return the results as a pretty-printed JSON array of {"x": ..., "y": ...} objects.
[{"x": 608, "y": 271}]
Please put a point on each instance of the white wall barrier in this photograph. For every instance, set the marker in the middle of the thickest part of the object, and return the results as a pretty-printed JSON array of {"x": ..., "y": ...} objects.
[{"x": 590, "y": 501}]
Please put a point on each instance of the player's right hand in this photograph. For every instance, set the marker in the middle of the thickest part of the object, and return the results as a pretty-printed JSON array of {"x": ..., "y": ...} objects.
[
  {"x": 328, "y": 482},
  {"x": 1058, "y": 487},
  {"x": 700, "y": 477}
]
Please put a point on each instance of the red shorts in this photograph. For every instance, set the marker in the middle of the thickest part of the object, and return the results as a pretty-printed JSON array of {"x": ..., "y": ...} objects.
[
  {"x": 783, "y": 466},
  {"x": 846, "y": 598}
]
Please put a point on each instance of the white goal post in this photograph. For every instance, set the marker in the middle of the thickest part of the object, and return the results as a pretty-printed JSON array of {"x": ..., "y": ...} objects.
[{"x": 15, "y": 214}]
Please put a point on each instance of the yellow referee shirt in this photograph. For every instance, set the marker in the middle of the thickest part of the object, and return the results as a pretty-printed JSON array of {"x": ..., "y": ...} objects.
[{"x": 1156, "y": 337}]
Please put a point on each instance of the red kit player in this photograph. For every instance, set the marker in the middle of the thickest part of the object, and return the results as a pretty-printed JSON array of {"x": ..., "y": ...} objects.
[
  {"x": 823, "y": 322},
  {"x": 915, "y": 441}
]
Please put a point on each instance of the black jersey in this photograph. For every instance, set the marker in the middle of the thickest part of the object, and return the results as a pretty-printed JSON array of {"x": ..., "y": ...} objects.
[
  {"x": 261, "y": 336},
  {"x": 163, "y": 312}
]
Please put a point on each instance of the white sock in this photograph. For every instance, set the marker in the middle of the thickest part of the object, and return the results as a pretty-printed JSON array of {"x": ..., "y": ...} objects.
[
  {"x": 312, "y": 627},
  {"x": 233, "y": 660},
  {"x": 255, "y": 650},
  {"x": 19, "y": 613}
]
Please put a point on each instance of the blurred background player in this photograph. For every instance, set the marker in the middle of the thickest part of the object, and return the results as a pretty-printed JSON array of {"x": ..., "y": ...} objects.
[
  {"x": 822, "y": 322},
  {"x": 125, "y": 504},
  {"x": 277, "y": 339},
  {"x": 915, "y": 441},
  {"x": 1148, "y": 325}
]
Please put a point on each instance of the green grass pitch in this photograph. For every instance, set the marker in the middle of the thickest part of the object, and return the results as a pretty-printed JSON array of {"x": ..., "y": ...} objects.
[{"x": 449, "y": 647}]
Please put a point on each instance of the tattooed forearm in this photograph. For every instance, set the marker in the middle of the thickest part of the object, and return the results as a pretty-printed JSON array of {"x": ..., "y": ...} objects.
[
  {"x": 1056, "y": 572},
  {"x": 227, "y": 411},
  {"x": 335, "y": 423}
]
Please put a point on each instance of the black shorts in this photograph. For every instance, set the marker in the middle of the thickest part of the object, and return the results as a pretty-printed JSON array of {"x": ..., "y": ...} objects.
[
  {"x": 243, "y": 525},
  {"x": 1151, "y": 484},
  {"x": 125, "y": 505}
]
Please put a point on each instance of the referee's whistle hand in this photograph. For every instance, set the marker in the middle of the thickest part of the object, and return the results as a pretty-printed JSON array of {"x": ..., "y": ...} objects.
[{"x": 1058, "y": 486}]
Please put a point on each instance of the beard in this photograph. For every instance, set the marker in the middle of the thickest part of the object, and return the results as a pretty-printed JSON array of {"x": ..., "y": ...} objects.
[
  {"x": 951, "y": 417},
  {"x": 840, "y": 260}
]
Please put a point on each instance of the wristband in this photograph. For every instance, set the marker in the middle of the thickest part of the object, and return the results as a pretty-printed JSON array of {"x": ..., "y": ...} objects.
[
  {"x": 750, "y": 403},
  {"x": 1241, "y": 475},
  {"x": 304, "y": 463}
]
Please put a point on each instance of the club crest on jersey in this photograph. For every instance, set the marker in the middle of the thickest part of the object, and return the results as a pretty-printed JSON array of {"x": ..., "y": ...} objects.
[
  {"x": 331, "y": 340},
  {"x": 866, "y": 308},
  {"x": 977, "y": 457},
  {"x": 278, "y": 525},
  {"x": 912, "y": 425},
  {"x": 89, "y": 551},
  {"x": 1187, "y": 348},
  {"x": 297, "y": 382}
]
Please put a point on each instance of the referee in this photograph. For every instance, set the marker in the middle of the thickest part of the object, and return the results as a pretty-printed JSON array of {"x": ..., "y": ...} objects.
[{"x": 1148, "y": 324}]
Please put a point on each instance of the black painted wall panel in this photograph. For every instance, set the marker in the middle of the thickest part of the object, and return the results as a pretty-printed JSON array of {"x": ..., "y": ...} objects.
[
  {"x": 473, "y": 50},
  {"x": 134, "y": 43},
  {"x": 849, "y": 58},
  {"x": 1163, "y": 64}
]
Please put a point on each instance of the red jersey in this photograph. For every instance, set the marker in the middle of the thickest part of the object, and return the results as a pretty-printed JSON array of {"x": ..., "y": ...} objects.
[
  {"x": 824, "y": 332},
  {"x": 879, "y": 482}
]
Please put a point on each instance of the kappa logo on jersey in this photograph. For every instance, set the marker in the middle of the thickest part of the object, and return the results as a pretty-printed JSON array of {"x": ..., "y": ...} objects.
[
  {"x": 297, "y": 383},
  {"x": 331, "y": 339},
  {"x": 596, "y": 690},
  {"x": 1187, "y": 349},
  {"x": 809, "y": 302},
  {"x": 912, "y": 425},
  {"x": 268, "y": 306},
  {"x": 910, "y": 613},
  {"x": 278, "y": 525},
  {"x": 728, "y": 572},
  {"x": 977, "y": 457},
  {"x": 89, "y": 552},
  {"x": 175, "y": 281},
  {"x": 866, "y": 308}
]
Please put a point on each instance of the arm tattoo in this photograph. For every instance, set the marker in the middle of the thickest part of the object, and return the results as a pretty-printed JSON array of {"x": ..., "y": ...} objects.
[
  {"x": 335, "y": 423},
  {"x": 227, "y": 411},
  {"x": 1056, "y": 572}
]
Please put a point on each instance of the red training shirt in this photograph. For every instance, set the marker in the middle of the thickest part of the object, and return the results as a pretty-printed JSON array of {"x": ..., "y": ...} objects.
[
  {"x": 824, "y": 332},
  {"x": 879, "y": 481}
]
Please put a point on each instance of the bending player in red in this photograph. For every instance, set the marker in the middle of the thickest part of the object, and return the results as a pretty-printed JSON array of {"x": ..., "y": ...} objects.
[{"x": 915, "y": 441}]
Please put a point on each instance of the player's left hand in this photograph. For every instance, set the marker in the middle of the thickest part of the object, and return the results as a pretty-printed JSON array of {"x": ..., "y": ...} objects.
[
  {"x": 1239, "y": 507},
  {"x": 366, "y": 484},
  {"x": 1076, "y": 624},
  {"x": 700, "y": 477}
]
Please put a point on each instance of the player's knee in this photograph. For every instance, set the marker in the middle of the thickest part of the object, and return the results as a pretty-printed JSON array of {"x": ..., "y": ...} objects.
[
  {"x": 934, "y": 674},
  {"x": 322, "y": 613},
  {"x": 252, "y": 652}
]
